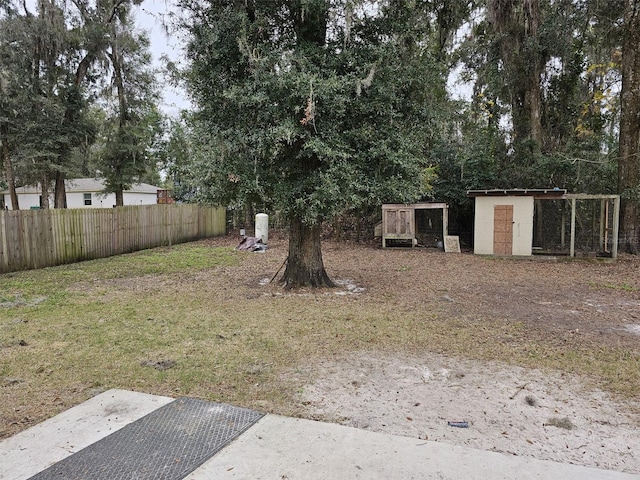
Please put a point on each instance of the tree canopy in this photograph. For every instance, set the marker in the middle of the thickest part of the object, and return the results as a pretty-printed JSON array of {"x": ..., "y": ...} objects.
[
  {"x": 57, "y": 66},
  {"x": 311, "y": 108}
]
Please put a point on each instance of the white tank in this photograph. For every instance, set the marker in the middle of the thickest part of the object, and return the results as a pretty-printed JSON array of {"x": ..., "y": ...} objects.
[{"x": 262, "y": 227}]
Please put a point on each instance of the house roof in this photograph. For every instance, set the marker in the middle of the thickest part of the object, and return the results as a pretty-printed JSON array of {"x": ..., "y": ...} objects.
[
  {"x": 518, "y": 192},
  {"x": 86, "y": 185}
]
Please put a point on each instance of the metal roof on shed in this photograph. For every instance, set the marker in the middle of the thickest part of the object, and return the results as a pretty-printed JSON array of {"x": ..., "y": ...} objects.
[{"x": 518, "y": 192}]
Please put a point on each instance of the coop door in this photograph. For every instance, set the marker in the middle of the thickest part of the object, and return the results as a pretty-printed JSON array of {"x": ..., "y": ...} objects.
[
  {"x": 399, "y": 222},
  {"x": 502, "y": 229}
]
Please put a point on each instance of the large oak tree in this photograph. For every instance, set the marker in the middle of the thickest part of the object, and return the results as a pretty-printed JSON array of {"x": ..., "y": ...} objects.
[{"x": 312, "y": 107}]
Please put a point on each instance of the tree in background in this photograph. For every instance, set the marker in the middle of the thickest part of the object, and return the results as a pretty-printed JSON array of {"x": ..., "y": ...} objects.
[
  {"x": 176, "y": 152},
  {"x": 314, "y": 107},
  {"x": 32, "y": 95},
  {"x": 135, "y": 124},
  {"x": 10, "y": 96},
  {"x": 545, "y": 73},
  {"x": 515, "y": 25},
  {"x": 56, "y": 64},
  {"x": 629, "y": 143}
]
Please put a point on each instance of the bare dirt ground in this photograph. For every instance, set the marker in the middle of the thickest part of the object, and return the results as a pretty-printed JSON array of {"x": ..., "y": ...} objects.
[
  {"x": 546, "y": 414},
  {"x": 511, "y": 410},
  {"x": 507, "y": 347}
]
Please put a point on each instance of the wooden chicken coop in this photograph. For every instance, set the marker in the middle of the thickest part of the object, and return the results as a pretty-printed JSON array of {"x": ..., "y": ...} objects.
[{"x": 414, "y": 223}]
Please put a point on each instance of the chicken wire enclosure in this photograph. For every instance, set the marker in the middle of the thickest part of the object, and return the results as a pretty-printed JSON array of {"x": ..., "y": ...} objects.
[
  {"x": 430, "y": 226},
  {"x": 577, "y": 225},
  {"x": 551, "y": 224},
  {"x": 423, "y": 223}
]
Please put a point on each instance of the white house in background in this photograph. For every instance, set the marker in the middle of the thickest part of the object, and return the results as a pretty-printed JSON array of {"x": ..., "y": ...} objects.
[{"x": 85, "y": 193}]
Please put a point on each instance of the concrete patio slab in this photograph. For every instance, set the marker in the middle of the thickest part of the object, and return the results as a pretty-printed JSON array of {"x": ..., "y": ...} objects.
[
  {"x": 288, "y": 448},
  {"x": 281, "y": 448},
  {"x": 39, "y": 447}
]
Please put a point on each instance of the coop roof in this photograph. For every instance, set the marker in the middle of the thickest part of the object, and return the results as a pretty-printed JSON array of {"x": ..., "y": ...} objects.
[{"x": 519, "y": 192}]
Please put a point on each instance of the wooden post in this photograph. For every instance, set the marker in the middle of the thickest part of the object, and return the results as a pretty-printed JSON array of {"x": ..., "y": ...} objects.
[
  {"x": 572, "y": 251},
  {"x": 445, "y": 221},
  {"x": 4, "y": 251},
  {"x": 603, "y": 226},
  {"x": 616, "y": 227},
  {"x": 563, "y": 227}
]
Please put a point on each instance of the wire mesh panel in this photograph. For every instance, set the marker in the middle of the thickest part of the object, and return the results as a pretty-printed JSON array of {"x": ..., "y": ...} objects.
[
  {"x": 593, "y": 227},
  {"x": 552, "y": 227},
  {"x": 589, "y": 220}
]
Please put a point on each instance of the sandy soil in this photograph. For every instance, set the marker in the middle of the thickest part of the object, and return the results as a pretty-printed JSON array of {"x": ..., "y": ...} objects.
[
  {"x": 508, "y": 409},
  {"x": 550, "y": 416}
]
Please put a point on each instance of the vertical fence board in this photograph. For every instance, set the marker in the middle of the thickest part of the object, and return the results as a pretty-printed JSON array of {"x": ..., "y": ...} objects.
[
  {"x": 40, "y": 238},
  {"x": 89, "y": 234},
  {"x": 103, "y": 232},
  {"x": 25, "y": 236},
  {"x": 15, "y": 239},
  {"x": 40, "y": 244},
  {"x": 4, "y": 261},
  {"x": 55, "y": 240},
  {"x": 108, "y": 235}
]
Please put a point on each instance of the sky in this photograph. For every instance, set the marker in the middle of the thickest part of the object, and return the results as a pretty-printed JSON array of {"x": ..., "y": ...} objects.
[{"x": 149, "y": 16}]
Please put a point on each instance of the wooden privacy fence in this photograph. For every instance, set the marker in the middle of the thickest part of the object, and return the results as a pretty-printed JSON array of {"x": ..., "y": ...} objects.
[{"x": 42, "y": 238}]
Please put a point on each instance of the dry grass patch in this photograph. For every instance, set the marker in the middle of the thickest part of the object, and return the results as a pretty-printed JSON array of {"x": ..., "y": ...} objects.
[{"x": 195, "y": 320}]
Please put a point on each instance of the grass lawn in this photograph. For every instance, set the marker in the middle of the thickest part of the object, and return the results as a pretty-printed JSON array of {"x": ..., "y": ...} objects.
[{"x": 195, "y": 320}]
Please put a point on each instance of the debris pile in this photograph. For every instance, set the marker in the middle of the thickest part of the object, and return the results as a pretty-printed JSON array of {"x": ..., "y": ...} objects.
[{"x": 251, "y": 244}]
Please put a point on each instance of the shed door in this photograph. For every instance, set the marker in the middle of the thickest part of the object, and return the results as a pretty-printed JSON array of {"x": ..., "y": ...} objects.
[
  {"x": 502, "y": 229},
  {"x": 399, "y": 222}
]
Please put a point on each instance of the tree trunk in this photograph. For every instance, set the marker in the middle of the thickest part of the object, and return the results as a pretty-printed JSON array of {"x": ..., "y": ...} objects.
[
  {"x": 119, "y": 197},
  {"x": 629, "y": 142},
  {"x": 534, "y": 94},
  {"x": 533, "y": 98},
  {"x": 70, "y": 117},
  {"x": 516, "y": 26},
  {"x": 304, "y": 264},
  {"x": 8, "y": 170},
  {"x": 44, "y": 194},
  {"x": 60, "y": 196},
  {"x": 249, "y": 216},
  {"x": 118, "y": 70}
]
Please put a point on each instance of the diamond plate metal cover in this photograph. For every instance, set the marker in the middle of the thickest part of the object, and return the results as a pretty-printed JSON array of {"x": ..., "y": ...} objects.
[{"x": 167, "y": 444}]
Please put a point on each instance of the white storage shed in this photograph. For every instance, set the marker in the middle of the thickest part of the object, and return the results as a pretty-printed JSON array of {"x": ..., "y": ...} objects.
[{"x": 504, "y": 223}]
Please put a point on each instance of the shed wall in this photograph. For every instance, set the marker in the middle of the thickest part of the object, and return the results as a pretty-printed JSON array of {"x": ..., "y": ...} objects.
[{"x": 522, "y": 224}]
